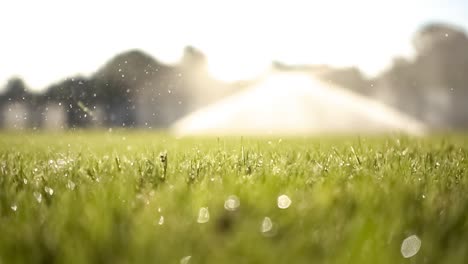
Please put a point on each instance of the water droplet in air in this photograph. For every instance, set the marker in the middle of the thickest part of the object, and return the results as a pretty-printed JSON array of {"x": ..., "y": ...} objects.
[
  {"x": 232, "y": 203},
  {"x": 185, "y": 260},
  {"x": 410, "y": 246},
  {"x": 49, "y": 190},
  {"x": 161, "y": 220},
  {"x": 283, "y": 201},
  {"x": 38, "y": 196},
  {"x": 267, "y": 225},
  {"x": 203, "y": 215}
]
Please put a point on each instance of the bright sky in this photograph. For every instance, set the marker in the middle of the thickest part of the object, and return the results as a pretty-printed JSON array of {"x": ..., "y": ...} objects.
[{"x": 46, "y": 41}]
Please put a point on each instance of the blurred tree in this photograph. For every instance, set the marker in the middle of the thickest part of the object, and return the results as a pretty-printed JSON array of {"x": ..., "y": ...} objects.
[
  {"x": 350, "y": 77},
  {"x": 403, "y": 81},
  {"x": 442, "y": 56},
  {"x": 199, "y": 87},
  {"x": 437, "y": 36},
  {"x": 71, "y": 93},
  {"x": 15, "y": 90},
  {"x": 137, "y": 90},
  {"x": 442, "y": 63},
  {"x": 194, "y": 59},
  {"x": 435, "y": 82}
]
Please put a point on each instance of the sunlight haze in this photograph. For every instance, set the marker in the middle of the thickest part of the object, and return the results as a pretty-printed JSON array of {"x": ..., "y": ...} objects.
[{"x": 44, "y": 42}]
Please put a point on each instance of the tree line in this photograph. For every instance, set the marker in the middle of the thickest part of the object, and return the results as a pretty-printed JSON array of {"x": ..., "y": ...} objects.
[{"x": 134, "y": 89}]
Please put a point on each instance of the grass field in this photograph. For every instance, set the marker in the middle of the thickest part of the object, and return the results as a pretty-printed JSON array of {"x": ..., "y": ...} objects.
[{"x": 141, "y": 197}]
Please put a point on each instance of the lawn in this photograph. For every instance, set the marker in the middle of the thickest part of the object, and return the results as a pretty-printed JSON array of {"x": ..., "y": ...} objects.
[{"x": 145, "y": 197}]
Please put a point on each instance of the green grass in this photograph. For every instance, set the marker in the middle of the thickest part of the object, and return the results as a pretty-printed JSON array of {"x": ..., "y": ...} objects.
[{"x": 354, "y": 200}]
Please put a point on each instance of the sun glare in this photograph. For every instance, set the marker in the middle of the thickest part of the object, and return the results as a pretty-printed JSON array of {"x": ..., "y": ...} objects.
[
  {"x": 234, "y": 69},
  {"x": 240, "y": 38}
]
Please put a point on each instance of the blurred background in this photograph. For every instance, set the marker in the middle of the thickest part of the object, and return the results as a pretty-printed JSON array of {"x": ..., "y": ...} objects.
[{"x": 153, "y": 64}]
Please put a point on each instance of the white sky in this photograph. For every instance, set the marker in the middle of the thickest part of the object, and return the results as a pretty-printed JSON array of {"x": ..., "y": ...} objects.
[{"x": 46, "y": 41}]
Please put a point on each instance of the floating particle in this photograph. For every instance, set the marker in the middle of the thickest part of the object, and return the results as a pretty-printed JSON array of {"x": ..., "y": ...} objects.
[
  {"x": 267, "y": 225},
  {"x": 283, "y": 201},
  {"x": 410, "y": 246},
  {"x": 232, "y": 203},
  {"x": 203, "y": 215},
  {"x": 185, "y": 260}
]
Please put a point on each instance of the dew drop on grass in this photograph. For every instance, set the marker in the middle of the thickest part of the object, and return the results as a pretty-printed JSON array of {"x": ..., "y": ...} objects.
[
  {"x": 203, "y": 215},
  {"x": 49, "y": 190},
  {"x": 410, "y": 246},
  {"x": 61, "y": 162},
  {"x": 276, "y": 170},
  {"x": 38, "y": 196},
  {"x": 161, "y": 220},
  {"x": 267, "y": 225},
  {"x": 185, "y": 260},
  {"x": 71, "y": 185},
  {"x": 232, "y": 203},
  {"x": 283, "y": 201}
]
